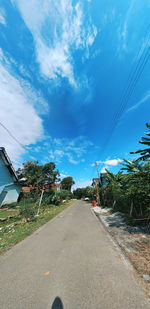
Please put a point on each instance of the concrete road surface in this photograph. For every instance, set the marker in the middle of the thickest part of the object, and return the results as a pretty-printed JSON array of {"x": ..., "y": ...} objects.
[{"x": 69, "y": 263}]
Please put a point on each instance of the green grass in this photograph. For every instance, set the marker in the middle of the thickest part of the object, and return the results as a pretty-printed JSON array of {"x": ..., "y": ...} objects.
[
  {"x": 11, "y": 235},
  {"x": 7, "y": 213}
]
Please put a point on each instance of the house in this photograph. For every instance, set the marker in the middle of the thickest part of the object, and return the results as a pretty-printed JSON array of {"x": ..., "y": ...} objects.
[
  {"x": 47, "y": 187},
  {"x": 101, "y": 181},
  {"x": 96, "y": 182},
  {"x": 9, "y": 185}
]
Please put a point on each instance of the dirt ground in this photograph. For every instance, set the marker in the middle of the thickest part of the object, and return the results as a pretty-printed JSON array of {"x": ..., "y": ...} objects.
[{"x": 134, "y": 241}]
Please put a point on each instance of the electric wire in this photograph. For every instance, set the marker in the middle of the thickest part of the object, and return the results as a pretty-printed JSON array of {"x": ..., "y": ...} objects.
[
  {"x": 129, "y": 89},
  {"x": 14, "y": 138}
]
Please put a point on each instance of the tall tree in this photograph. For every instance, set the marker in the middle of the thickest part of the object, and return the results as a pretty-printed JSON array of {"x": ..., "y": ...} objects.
[
  {"x": 36, "y": 174},
  {"x": 67, "y": 183}
]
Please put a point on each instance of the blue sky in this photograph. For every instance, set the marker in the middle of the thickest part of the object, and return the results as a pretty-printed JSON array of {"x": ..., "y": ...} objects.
[{"x": 63, "y": 68}]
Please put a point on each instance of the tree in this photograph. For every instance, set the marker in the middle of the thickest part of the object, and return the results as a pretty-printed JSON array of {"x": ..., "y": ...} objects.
[
  {"x": 79, "y": 193},
  {"x": 36, "y": 174},
  {"x": 129, "y": 193},
  {"x": 131, "y": 166},
  {"x": 145, "y": 153},
  {"x": 67, "y": 183},
  {"x": 85, "y": 192}
]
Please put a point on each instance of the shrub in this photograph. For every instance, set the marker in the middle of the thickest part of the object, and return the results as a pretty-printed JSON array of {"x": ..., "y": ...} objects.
[{"x": 27, "y": 210}]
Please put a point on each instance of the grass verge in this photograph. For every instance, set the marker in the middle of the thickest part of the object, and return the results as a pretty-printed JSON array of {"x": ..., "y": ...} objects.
[
  {"x": 7, "y": 213},
  {"x": 18, "y": 229}
]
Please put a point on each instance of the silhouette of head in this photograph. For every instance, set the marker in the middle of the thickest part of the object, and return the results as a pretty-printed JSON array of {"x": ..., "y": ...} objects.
[{"x": 57, "y": 304}]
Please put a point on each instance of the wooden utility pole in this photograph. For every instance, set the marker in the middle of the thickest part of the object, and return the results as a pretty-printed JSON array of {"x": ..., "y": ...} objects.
[
  {"x": 97, "y": 185},
  {"x": 40, "y": 201}
]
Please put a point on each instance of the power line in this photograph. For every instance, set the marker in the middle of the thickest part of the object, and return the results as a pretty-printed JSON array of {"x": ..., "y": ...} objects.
[
  {"x": 14, "y": 138},
  {"x": 132, "y": 81}
]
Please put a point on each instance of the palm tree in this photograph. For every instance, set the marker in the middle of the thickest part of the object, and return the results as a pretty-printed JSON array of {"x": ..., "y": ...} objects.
[
  {"x": 145, "y": 153},
  {"x": 114, "y": 184},
  {"x": 131, "y": 166}
]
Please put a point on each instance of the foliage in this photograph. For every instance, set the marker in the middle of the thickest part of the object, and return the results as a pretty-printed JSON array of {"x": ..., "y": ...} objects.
[
  {"x": 89, "y": 192},
  {"x": 67, "y": 183},
  {"x": 79, "y": 193},
  {"x": 129, "y": 193},
  {"x": 48, "y": 198},
  {"x": 65, "y": 195},
  {"x": 37, "y": 175},
  {"x": 27, "y": 210},
  {"x": 145, "y": 153},
  {"x": 21, "y": 229}
]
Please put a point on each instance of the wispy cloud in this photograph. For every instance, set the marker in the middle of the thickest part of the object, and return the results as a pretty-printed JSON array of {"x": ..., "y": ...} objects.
[
  {"x": 145, "y": 99},
  {"x": 58, "y": 27},
  {"x": 123, "y": 29},
  {"x": 68, "y": 150},
  {"x": 2, "y": 17}
]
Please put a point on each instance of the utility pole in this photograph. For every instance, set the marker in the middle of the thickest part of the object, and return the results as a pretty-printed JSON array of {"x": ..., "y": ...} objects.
[
  {"x": 97, "y": 185},
  {"x": 40, "y": 201}
]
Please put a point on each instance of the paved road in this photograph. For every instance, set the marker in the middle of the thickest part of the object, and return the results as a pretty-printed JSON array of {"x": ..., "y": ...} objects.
[{"x": 70, "y": 263}]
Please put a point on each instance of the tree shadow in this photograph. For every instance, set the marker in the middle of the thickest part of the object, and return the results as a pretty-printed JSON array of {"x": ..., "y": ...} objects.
[{"x": 57, "y": 304}]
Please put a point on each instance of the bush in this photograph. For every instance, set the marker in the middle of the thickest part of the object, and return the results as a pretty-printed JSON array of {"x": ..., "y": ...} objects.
[
  {"x": 48, "y": 198},
  {"x": 65, "y": 195},
  {"x": 28, "y": 210},
  {"x": 32, "y": 196}
]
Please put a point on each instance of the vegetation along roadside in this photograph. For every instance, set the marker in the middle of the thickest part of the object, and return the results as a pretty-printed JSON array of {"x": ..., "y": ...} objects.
[{"x": 18, "y": 226}]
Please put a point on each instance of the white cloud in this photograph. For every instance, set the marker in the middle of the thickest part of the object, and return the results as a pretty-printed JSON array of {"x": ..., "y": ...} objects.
[
  {"x": 113, "y": 162},
  {"x": 57, "y": 27},
  {"x": 142, "y": 101},
  {"x": 72, "y": 161},
  {"x": 33, "y": 96},
  {"x": 17, "y": 115},
  {"x": 107, "y": 164},
  {"x": 60, "y": 153},
  {"x": 2, "y": 17}
]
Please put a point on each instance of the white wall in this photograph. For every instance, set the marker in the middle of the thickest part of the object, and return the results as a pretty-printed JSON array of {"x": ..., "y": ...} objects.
[
  {"x": 7, "y": 185},
  {"x": 12, "y": 195}
]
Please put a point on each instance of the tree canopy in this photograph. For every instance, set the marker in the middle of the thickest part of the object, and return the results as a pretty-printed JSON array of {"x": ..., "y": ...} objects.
[
  {"x": 36, "y": 174},
  {"x": 67, "y": 183}
]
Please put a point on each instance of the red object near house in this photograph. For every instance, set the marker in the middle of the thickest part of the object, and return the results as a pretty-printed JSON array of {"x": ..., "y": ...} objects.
[
  {"x": 94, "y": 203},
  {"x": 27, "y": 189}
]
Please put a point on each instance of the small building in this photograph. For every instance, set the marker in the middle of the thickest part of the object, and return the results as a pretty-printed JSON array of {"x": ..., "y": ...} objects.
[
  {"x": 46, "y": 187},
  {"x": 10, "y": 188},
  {"x": 101, "y": 181},
  {"x": 96, "y": 182}
]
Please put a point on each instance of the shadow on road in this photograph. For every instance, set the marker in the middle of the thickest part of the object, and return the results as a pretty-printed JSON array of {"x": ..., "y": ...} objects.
[{"x": 57, "y": 304}]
